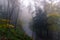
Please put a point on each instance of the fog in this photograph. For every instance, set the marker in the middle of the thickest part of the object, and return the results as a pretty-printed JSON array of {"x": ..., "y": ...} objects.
[
  {"x": 24, "y": 11},
  {"x": 27, "y": 13}
]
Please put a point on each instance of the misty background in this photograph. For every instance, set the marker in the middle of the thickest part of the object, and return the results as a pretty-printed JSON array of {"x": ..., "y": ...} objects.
[{"x": 26, "y": 14}]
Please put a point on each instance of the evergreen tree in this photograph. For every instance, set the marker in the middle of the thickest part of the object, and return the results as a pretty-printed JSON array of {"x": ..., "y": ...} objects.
[{"x": 40, "y": 24}]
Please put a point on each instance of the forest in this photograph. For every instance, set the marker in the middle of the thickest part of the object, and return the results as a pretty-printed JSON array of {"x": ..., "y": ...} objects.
[{"x": 29, "y": 20}]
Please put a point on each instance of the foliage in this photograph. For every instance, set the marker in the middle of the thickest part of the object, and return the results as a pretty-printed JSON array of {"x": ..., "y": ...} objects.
[
  {"x": 54, "y": 22},
  {"x": 8, "y": 32}
]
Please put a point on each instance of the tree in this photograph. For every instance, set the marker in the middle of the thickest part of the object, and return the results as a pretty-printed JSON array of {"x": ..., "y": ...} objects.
[
  {"x": 40, "y": 24},
  {"x": 53, "y": 16}
]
